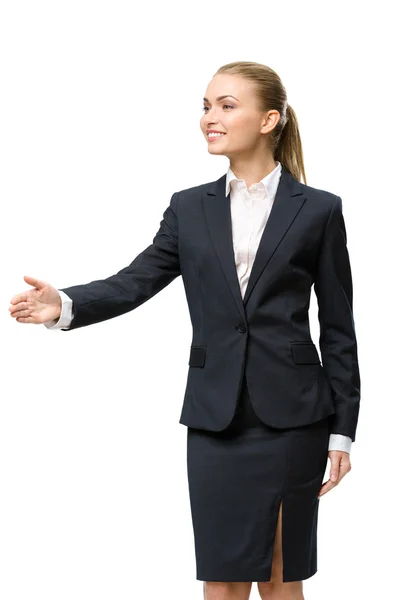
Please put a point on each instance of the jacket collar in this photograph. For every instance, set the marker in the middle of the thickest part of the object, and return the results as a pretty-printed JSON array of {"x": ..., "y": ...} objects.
[{"x": 270, "y": 182}]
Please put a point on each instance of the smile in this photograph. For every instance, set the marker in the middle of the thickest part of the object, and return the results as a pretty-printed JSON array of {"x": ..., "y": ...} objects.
[{"x": 214, "y": 136}]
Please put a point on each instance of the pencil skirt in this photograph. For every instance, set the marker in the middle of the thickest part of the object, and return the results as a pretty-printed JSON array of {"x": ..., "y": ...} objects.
[{"x": 237, "y": 479}]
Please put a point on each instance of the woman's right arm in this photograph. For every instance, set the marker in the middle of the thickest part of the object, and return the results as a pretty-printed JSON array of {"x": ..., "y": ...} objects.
[{"x": 93, "y": 302}]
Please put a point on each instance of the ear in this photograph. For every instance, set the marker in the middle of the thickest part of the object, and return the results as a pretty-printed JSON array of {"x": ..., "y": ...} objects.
[{"x": 269, "y": 120}]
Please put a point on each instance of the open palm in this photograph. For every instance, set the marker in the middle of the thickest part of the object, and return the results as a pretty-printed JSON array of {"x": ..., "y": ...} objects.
[{"x": 38, "y": 305}]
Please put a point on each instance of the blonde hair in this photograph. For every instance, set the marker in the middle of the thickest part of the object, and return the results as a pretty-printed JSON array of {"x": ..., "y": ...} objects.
[{"x": 284, "y": 140}]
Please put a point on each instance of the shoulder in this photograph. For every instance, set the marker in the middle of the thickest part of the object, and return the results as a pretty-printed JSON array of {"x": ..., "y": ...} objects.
[
  {"x": 189, "y": 200},
  {"x": 322, "y": 201},
  {"x": 328, "y": 199},
  {"x": 194, "y": 191}
]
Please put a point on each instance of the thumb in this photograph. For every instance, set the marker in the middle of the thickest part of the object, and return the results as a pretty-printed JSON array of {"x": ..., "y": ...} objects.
[{"x": 37, "y": 283}]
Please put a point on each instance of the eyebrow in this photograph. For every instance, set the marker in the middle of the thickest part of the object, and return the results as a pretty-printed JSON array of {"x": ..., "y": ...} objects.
[{"x": 222, "y": 97}]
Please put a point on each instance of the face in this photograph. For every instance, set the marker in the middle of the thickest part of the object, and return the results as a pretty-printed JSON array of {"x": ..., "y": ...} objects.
[{"x": 236, "y": 115}]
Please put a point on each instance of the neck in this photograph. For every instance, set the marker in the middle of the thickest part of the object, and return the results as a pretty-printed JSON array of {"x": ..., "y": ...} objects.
[{"x": 252, "y": 171}]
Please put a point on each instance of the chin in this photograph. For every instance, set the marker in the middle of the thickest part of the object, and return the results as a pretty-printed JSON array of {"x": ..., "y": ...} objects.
[{"x": 214, "y": 151}]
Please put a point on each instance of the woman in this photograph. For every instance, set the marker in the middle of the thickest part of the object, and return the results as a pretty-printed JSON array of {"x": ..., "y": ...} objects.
[{"x": 262, "y": 412}]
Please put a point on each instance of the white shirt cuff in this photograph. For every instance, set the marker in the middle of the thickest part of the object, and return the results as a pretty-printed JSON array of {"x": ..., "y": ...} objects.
[
  {"x": 337, "y": 441},
  {"x": 64, "y": 321}
]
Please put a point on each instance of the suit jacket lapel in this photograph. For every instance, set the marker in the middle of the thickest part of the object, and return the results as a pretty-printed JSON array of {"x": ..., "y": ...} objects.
[
  {"x": 217, "y": 211},
  {"x": 288, "y": 201}
]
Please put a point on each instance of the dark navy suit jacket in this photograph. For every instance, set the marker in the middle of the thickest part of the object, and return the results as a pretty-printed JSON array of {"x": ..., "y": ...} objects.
[{"x": 267, "y": 333}]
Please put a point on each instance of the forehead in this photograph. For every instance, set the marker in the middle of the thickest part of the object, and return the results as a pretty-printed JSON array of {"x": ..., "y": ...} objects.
[{"x": 231, "y": 85}]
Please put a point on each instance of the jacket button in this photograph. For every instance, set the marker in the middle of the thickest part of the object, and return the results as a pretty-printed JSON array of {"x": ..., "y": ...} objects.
[{"x": 241, "y": 328}]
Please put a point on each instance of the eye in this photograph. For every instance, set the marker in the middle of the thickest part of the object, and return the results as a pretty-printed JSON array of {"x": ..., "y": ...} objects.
[{"x": 205, "y": 108}]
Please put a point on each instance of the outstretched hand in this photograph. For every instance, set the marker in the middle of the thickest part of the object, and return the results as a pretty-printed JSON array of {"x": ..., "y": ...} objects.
[{"x": 38, "y": 305}]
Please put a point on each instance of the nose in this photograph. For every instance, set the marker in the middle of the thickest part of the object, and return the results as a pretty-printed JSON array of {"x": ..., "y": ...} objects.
[{"x": 209, "y": 123}]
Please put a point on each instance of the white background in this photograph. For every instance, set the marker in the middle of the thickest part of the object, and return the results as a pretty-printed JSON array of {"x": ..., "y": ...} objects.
[{"x": 100, "y": 109}]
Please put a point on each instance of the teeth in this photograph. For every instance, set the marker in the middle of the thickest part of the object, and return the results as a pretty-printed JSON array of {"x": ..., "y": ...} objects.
[{"x": 215, "y": 134}]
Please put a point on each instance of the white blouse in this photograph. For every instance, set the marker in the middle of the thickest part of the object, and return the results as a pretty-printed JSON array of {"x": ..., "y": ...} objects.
[{"x": 250, "y": 209}]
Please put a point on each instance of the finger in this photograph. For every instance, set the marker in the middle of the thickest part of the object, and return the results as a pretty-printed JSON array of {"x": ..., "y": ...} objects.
[
  {"x": 326, "y": 487},
  {"x": 341, "y": 465},
  {"x": 16, "y": 307},
  {"x": 335, "y": 460},
  {"x": 19, "y": 298},
  {"x": 335, "y": 471},
  {"x": 25, "y": 320},
  {"x": 21, "y": 313},
  {"x": 37, "y": 283},
  {"x": 345, "y": 466},
  {"x": 330, "y": 484}
]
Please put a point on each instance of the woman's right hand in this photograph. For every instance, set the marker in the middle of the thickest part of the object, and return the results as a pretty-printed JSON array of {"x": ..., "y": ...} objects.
[{"x": 38, "y": 305}]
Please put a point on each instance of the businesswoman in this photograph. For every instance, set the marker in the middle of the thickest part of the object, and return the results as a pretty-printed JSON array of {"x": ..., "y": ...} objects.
[{"x": 262, "y": 412}]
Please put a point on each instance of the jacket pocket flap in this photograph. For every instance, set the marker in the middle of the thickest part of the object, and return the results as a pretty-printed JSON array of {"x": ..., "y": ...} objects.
[
  {"x": 305, "y": 354},
  {"x": 197, "y": 356}
]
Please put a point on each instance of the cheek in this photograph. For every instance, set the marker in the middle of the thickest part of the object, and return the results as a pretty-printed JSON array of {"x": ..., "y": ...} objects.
[
  {"x": 244, "y": 130},
  {"x": 244, "y": 125},
  {"x": 238, "y": 130}
]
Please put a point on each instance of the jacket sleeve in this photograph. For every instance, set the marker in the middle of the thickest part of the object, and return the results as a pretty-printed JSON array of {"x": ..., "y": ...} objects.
[
  {"x": 338, "y": 345},
  {"x": 151, "y": 271}
]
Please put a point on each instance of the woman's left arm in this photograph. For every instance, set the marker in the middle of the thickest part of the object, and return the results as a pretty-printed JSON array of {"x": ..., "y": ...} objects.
[{"x": 338, "y": 344}]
